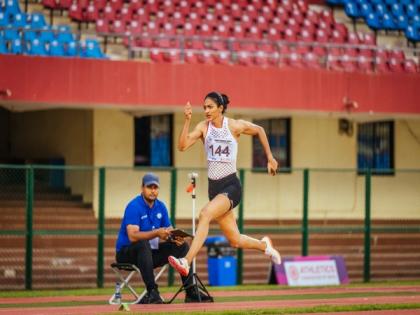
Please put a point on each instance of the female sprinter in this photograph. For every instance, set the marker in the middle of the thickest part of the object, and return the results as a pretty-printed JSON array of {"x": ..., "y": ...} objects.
[{"x": 220, "y": 137}]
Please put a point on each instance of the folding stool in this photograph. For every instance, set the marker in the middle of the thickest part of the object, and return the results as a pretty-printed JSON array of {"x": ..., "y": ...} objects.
[{"x": 124, "y": 282}]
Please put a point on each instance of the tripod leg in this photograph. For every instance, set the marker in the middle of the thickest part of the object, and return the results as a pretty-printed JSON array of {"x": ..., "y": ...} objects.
[
  {"x": 182, "y": 288},
  {"x": 198, "y": 287},
  {"x": 203, "y": 288},
  {"x": 194, "y": 281}
]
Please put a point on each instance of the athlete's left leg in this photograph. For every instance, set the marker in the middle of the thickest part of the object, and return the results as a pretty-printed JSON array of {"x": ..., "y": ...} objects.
[{"x": 230, "y": 229}]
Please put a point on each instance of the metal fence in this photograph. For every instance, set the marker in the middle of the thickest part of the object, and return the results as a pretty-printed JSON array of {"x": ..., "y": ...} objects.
[
  {"x": 49, "y": 232},
  {"x": 281, "y": 52}
]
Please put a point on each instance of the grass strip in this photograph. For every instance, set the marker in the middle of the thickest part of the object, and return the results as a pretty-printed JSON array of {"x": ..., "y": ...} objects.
[
  {"x": 109, "y": 291},
  {"x": 296, "y": 297},
  {"x": 292, "y": 297},
  {"x": 52, "y": 304}
]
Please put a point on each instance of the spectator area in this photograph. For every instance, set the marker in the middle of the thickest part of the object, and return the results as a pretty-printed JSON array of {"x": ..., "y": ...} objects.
[
  {"x": 30, "y": 34},
  {"x": 287, "y": 33}
]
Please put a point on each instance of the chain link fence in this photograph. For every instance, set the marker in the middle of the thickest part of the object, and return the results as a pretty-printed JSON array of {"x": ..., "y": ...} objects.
[{"x": 59, "y": 223}]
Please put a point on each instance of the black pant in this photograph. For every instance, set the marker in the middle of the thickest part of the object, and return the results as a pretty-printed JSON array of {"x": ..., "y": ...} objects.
[
  {"x": 229, "y": 185},
  {"x": 146, "y": 259}
]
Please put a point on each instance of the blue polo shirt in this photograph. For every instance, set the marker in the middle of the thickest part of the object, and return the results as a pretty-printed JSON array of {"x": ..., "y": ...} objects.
[{"x": 139, "y": 213}]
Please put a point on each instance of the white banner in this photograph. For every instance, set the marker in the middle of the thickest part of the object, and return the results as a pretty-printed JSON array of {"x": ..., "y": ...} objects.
[{"x": 308, "y": 273}]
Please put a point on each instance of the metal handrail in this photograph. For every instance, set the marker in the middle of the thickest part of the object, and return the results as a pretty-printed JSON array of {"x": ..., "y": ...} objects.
[{"x": 230, "y": 41}]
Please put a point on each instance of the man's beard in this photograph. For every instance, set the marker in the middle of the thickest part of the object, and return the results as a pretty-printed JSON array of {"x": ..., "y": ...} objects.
[{"x": 149, "y": 200}]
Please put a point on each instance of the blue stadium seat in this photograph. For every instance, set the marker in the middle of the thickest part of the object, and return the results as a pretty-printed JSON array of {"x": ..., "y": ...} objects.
[
  {"x": 402, "y": 22},
  {"x": 93, "y": 49},
  {"x": 380, "y": 8},
  {"x": 415, "y": 21},
  {"x": 17, "y": 47},
  {"x": 10, "y": 34},
  {"x": 36, "y": 48},
  {"x": 365, "y": 9},
  {"x": 352, "y": 10},
  {"x": 65, "y": 37},
  {"x": 375, "y": 2},
  {"x": 72, "y": 49},
  {"x": 335, "y": 2},
  {"x": 412, "y": 33},
  {"x": 19, "y": 20},
  {"x": 64, "y": 34},
  {"x": 397, "y": 9},
  {"x": 63, "y": 28},
  {"x": 3, "y": 47},
  {"x": 29, "y": 35},
  {"x": 388, "y": 22},
  {"x": 4, "y": 19},
  {"x": 391, "y": 2},
  {"x": 373, "y": 21},
  {"x": 56, "y": 49},
  {"x": 46, "y": 34},
  {"x": 11, "y": 7},
  {"x": 411, "y": 10},
  {"x": 37, "y": 21}
]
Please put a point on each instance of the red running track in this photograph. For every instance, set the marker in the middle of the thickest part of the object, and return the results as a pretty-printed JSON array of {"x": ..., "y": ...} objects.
[{"x": 220, "y": 306}]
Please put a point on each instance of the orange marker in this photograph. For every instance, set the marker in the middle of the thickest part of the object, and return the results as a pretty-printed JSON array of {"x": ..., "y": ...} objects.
[{"x": 190, "y": 188}]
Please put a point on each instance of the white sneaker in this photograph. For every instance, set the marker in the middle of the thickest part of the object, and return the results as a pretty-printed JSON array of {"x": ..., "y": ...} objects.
[
  {"x": 271, "y": 251},
  {"x": 180, "y": 264}
]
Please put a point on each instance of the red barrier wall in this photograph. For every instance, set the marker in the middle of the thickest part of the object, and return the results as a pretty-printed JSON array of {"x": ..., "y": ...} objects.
[{"x": 96, "y": 83}]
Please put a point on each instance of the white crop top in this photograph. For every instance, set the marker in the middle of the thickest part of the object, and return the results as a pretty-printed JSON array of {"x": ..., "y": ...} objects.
[{"x": 222, "y": 149}]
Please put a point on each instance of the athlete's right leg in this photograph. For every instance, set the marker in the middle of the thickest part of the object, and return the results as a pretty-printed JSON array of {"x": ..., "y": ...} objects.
[
  {"x": 215, "y": 208},
  {"x": 218, "y": 206}
]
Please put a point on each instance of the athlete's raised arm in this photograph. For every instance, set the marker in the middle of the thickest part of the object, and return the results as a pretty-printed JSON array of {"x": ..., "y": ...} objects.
[
  {"x": 249, "y": 128},
  {"x": 186, "y": 138}
]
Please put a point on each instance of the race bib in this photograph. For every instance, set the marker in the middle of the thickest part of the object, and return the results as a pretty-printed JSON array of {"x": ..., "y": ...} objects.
[{"x": 220, "y": 150}]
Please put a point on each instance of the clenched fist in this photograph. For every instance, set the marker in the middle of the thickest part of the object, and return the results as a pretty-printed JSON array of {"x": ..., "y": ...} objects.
[
  {"x": 188, "y": 111},
  {"x": 272, "y": 166}
]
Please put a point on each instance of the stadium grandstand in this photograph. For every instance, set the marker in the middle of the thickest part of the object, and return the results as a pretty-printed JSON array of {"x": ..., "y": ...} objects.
[
  {"x": 361, "y": 36},
  {"x": 92, "y": 95}
]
